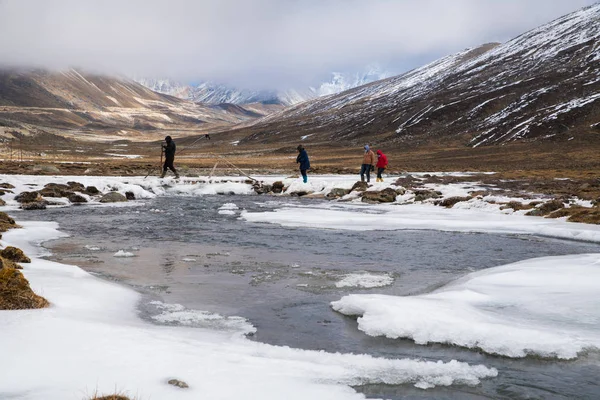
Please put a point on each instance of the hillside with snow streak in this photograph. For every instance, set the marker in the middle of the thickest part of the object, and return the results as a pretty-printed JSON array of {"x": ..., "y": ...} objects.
[
  {"x": 544, "y": 84},
  {"x": 38, "y": 100}
]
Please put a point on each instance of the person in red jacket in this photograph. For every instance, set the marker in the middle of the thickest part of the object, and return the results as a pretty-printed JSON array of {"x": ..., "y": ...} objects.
[{"x": 382, "y": 163}]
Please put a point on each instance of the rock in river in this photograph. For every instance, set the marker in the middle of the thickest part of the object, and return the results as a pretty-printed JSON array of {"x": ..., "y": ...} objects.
[
  {"x": 113, "y": 197},
  {"x": 77, "y": 198}
]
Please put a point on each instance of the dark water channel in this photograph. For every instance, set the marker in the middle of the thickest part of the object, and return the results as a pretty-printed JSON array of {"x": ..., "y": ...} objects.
[{"x": 283, "y": 279}]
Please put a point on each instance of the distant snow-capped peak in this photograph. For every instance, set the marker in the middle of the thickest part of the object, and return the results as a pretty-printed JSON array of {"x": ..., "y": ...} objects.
[
  {"x": 344, "y": 81},
  {"x": 212, "y": 93}
]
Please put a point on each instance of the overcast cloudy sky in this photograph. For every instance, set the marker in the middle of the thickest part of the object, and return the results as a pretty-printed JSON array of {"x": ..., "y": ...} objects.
[{"x": 266, "y": 43}]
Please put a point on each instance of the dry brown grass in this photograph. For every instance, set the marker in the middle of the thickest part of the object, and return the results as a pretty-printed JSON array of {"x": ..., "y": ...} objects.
[
  {"x": 587, "y": 216},
  {"x": 543, "y": 159},
  {"x": 517, "y": 206},
  {"x": 564, "y": 212},
  {"x": 6, "y": 263},
  {"x": 117, "y": 395},
  {"x": 15, "y": 292},
  {"x": 14, "y": 254},
  {"x": 451, "y": 201},
  {"x": 579, "y": 214},
  {"x": 6, "y": 222}
]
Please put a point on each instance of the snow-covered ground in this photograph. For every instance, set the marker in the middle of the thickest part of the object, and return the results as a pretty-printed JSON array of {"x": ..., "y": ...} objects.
[
  {"x": 91, "y": 339},
  {"x": 549, "y": 307}
]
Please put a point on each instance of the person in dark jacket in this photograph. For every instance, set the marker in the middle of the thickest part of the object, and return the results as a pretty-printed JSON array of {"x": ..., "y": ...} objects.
[
  {"x": 169, "y": 150},
  {"x": 382, "y": 163},
  {"x": 302, "y": 159}
]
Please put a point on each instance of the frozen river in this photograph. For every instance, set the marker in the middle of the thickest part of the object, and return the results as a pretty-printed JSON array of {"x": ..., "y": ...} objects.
[{"x": 197, "y": 252}]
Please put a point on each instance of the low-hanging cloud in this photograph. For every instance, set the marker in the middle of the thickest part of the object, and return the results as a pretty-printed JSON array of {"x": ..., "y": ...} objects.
[{"x": 255, "y": 42}]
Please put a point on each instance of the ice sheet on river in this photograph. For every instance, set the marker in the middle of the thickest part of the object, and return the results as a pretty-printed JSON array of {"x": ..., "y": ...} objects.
[
  {"x": 176, "y": 314},
  {"x": 548, "y": 307},
  {"x": 365, "y": 280},
  {"x": 91, "y": 339},
  {"x": 418, "y": 216}
]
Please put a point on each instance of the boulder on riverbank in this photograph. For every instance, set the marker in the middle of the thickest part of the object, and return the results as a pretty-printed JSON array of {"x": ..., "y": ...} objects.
[
  {"x": 76, "y": 186},
  {"x": 91, "y": 190},
  {"x": 28, "y": 197},
  {"x": 451, "y": 201},
  {"x": 277, "y": 187},
  {"x": 261, "y": 188},
  {"x": 425, "y": 194},
  {"x": 300, "y": 193},
  {"x": 408, "y": 182},
  {"x": 359, "y": 186},
  {"x": 55, "y": 190},
  {"x": 52, "y": 192},
  {"x": 113, "y": 197},
  {"x": 34, "y": 205},
  {"x": 546, "y": 208},
  {"x": 336, "y": 193},
  {"x": 77, "y": 198},
  {"x": 387, "y": 195}
]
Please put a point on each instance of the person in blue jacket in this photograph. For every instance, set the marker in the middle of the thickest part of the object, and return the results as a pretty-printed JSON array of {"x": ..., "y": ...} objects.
[{"x": 302, "y": 159}]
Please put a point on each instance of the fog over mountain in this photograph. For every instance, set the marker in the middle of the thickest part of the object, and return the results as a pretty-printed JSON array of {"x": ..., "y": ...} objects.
[
  {"x": 258, "y": 44},
  {"x": 543, "y": 85}
]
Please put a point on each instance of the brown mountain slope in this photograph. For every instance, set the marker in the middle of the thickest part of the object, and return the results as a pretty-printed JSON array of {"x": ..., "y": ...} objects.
[
  {"x": 541, "y": 86},
  {"x": 71, "y": 102}
]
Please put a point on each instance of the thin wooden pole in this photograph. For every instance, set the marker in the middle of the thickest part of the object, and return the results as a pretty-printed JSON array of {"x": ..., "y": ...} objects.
[
  {"x": 235, "y": 166},
  {"x": 213, "y": 171}
]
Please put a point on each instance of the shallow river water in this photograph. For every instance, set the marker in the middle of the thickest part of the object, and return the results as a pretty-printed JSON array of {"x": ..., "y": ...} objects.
[{"x": 283, "y": 279}]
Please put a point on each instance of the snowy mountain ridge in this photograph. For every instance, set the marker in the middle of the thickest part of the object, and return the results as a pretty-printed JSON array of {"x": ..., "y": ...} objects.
[
  {"x": 543, "y": 84},
  {"x": 213, "y": 93}
]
